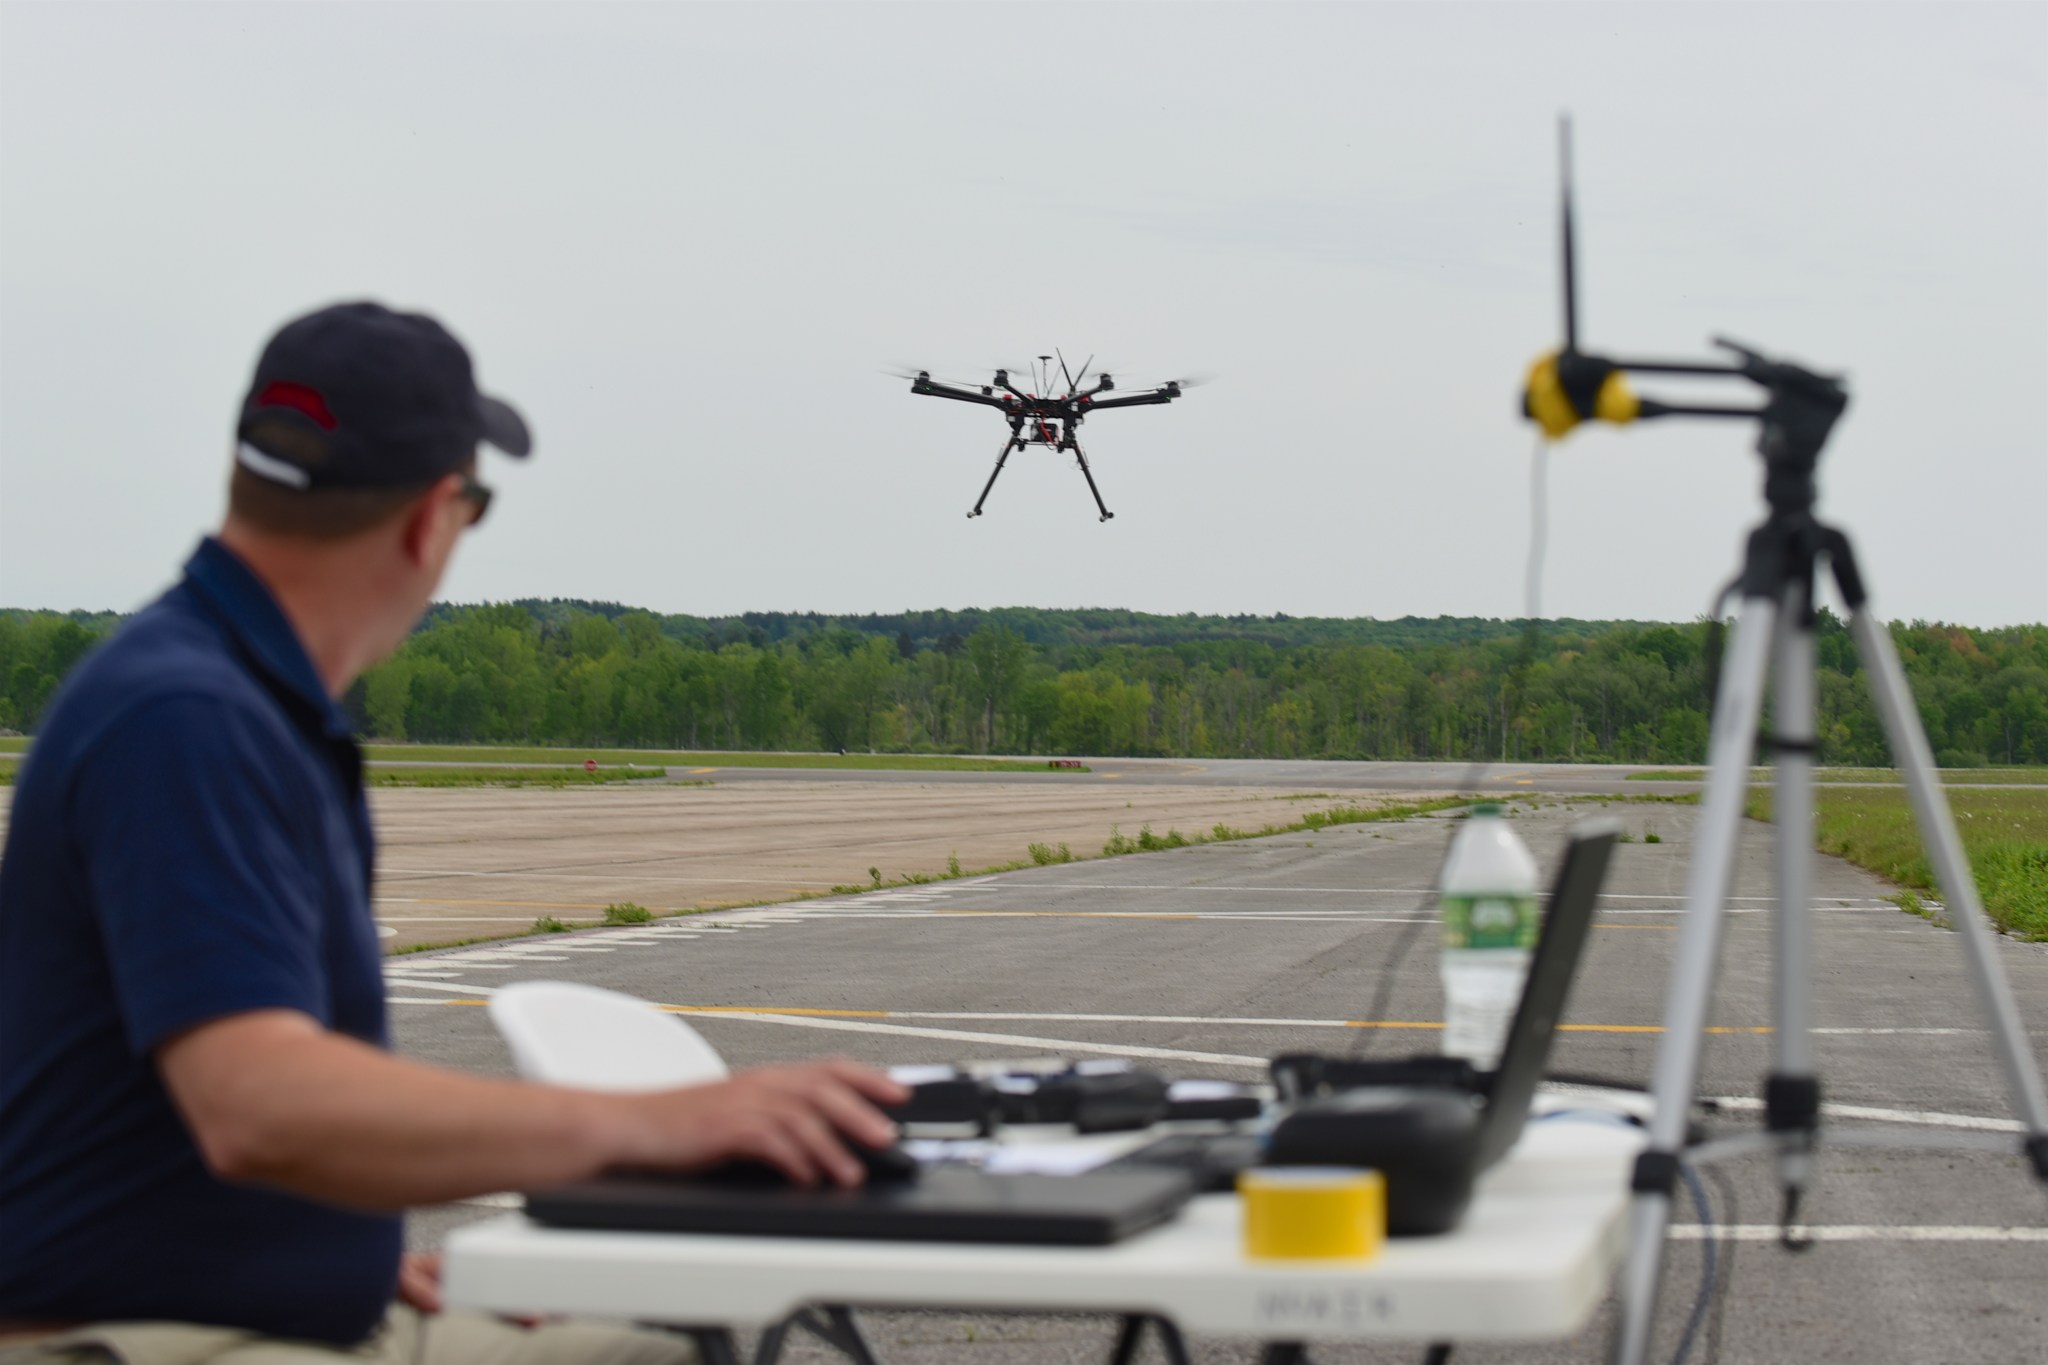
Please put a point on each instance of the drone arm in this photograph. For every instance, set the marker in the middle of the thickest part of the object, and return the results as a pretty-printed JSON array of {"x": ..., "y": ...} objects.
[
  {"x": 932, "y": 389},
  {"x": 1134, "y": 400}
]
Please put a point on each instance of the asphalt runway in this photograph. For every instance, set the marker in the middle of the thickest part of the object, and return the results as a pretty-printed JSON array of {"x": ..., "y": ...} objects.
[
  {"x": 1207, "y": 960},
  {"x": 478, "y": 862}
]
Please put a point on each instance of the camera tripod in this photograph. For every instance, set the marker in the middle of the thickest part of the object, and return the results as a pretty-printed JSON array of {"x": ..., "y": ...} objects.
[{"x": 1774, "y": 644}]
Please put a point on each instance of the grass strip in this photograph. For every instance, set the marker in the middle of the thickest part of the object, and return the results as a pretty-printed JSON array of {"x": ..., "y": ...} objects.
[
  {"x": 686, "y": 758},
  {"x": 382, "y": 775},
  {"x": 2005, "y": 836},
  {"x": 2016, "y": 775}
]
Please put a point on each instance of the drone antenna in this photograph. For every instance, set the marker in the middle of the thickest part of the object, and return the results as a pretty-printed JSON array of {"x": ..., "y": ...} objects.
[
  {"x": 1044, "y": 376},
  {"x": 1082, "y": 377},
  {"x": 1063, "y": 369},
  {"x": 1571, "y": 274}
]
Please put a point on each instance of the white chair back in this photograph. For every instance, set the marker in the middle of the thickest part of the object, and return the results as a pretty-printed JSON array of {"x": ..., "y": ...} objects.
[{"x": 562, "y": 1033}]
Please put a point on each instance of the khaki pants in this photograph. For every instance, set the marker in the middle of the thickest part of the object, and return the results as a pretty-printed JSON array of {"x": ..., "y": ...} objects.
[{"x": 406, "y": 1338}]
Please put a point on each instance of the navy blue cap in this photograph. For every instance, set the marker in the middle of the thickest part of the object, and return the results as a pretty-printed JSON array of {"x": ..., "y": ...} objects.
[{"x": 358, "y": 396}]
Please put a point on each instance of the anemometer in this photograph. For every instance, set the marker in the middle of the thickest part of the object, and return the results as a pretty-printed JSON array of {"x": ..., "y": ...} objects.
[{"x": 1774, "y": 647}]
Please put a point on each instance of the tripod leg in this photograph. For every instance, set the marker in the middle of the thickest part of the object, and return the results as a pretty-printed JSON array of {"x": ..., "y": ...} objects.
[
  {"x": 1089, "y": 475},
  {"x": 1732, "y": 746},
  {"x": 1002, "y": 459},
  {"x": 1792, "y": 1092},
  {"x": 1951, "y": 867}
]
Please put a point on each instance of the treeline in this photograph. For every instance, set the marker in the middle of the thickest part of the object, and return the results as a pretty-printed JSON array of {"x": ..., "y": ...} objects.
[{"x": 1110, "y": 682}]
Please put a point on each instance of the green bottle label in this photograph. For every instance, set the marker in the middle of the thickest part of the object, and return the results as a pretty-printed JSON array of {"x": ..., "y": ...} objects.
[{"x": 1490, "y": 921}]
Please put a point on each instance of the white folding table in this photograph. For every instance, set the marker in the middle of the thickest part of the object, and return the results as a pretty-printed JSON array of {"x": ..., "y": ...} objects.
[{"x": 1532, "y": 1258}]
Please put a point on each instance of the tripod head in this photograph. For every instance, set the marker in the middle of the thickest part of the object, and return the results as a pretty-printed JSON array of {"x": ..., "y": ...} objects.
[{"x": 1568, "y": 386}]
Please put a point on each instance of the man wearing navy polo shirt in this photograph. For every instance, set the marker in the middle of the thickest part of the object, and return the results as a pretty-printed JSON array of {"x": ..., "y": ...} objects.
[{"x": 204, "y": 1141}]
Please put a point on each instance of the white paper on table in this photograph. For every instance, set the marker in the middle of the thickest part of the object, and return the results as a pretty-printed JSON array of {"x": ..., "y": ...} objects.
[
  {"x": 922, "y": 1075},
  {"x": 1189, "y": 1091},
  {"x": 930, "y": 1150},
  {"x": 1046, "y": 1158}
]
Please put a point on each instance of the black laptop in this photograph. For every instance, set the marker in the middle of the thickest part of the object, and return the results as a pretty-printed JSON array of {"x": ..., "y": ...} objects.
[{"x": 945, "y": 1204}]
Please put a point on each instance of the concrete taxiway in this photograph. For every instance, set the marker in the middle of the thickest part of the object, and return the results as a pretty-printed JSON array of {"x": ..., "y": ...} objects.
[{"x": 1206, "y": 961}]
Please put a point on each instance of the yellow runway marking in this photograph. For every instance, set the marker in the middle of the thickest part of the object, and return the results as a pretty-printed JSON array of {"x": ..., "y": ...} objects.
[
  {"x": 1061, "y": 914},
  {"x": 1418, "y": 1025},
  {"x": 694, "y": 771}
]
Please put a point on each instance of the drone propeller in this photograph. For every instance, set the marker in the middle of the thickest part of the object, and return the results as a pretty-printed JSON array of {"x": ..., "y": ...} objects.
[
  {"x": 913, "y": 373},
  {"x": 1192, "y": 381}
]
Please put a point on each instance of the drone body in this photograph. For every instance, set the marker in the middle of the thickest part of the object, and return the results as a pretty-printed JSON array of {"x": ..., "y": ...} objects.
[{"x": 1053, "y": 421}]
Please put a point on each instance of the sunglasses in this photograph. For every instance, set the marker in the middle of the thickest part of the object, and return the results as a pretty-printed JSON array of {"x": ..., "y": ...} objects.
[{"x": 478, "y": 495}]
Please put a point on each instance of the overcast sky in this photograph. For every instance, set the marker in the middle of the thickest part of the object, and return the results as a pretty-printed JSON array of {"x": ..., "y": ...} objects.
[{"x": 684, "y": 239}]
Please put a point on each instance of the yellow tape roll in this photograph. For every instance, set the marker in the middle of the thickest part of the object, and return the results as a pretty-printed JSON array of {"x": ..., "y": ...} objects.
[{"x": 1312, "y": 1212}]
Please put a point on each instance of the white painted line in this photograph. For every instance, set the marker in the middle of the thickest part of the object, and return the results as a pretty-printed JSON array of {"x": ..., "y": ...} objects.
[
  {"x": 969, "y": 913},
  {"x": 1832, "y": 902},
  {"x": 1926, "y": 1118},
  {"x": 1770, "y": 1232},
  {"x": 997, "y": 1016},
  {"x": 1276, "y": 917},
  {"x": 998, "y": 1039},
  {"x": 412, "y": 1000},
  {"x": 1914, "y": 1032},
  {"x": 456, "y": 919}
]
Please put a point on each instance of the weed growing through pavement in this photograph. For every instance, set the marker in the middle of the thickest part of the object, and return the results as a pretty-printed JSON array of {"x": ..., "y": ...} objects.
[
  {"x": 626, "y": 912},
  {"x": 548, "y": 924},
  {"x": 953, "y": 863}
]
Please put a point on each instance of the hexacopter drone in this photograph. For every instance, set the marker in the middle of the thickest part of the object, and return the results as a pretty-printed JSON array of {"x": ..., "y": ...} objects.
[{"x": 1053, "y": 421}]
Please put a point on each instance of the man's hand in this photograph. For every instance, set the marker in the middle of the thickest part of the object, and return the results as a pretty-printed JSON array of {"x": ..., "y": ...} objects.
[
  {"x": 273, "y": 1098},
  {"x": 798, "y": 1119},
  {"x": 419, "y": 1280}
]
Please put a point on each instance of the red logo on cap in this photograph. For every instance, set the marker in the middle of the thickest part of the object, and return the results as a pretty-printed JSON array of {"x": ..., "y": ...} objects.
[{"x": 283, "y": 393}]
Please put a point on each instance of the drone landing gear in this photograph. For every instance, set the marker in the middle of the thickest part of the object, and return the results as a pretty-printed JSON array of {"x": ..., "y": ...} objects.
[
  {"x": 1014, "y": 443},
  {"x": 1082, "y": 460}
]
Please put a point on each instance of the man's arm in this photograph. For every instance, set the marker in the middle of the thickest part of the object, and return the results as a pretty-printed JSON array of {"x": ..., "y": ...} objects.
[{"x": 271, "y": 1097}]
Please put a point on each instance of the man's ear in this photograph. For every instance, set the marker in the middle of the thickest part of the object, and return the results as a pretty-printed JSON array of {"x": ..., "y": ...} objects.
[{"x": 421, "y": 527}]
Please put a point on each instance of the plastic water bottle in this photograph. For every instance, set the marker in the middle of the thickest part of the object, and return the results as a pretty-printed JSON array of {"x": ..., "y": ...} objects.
[{"x": 1490, "y": 924}]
